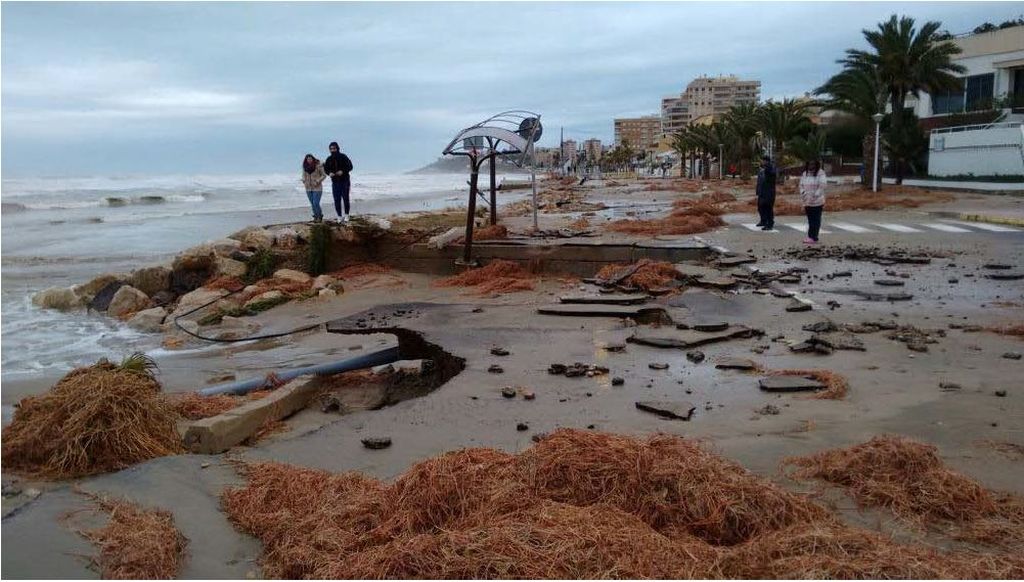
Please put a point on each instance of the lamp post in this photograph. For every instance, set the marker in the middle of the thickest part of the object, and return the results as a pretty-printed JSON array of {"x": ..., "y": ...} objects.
[
  {"x": 721, "y": 162},
  {"x": 878, "y": 129}
]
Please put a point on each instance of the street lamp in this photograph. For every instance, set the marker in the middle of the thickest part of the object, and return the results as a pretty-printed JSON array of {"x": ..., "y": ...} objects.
[
  {"x": 721, "y": 161},
  {"x": 878, "y": 129}
]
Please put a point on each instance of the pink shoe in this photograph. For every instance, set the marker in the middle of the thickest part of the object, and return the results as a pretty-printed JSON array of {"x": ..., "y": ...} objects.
[{"x": 810, "y": 241}]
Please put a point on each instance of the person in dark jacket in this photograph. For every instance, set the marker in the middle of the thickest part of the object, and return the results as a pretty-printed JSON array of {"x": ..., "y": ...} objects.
[
  {"x": 337, "y": 165},
  {"x": 766, "y": 194}
]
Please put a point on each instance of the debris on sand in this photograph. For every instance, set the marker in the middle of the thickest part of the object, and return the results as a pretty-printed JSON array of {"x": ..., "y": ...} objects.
[
  {"x": 577, "y": 369},
  {"x": 1015, "y": 330},
  {"x": 97, "y": 419},
  {"x": 891, "y": 256},
  {"x": 644, "y": 274},
  {"x": 194, "y": 406},
  {"x": 577, "y": 504},
  {"x": 360, "y": 270},
  {"x": 909, "y": 479},
  {"x": 688, "y": 218},
  {"x": 916, "y": 339},
  {"x": 498, "y": 276},
  {"x": 491, "y": 232},
  {"x": 836, "y": 385},
  {"x": 136, "y": 543}
]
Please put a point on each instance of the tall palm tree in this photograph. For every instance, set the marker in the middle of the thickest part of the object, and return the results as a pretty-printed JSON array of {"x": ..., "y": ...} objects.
[
  {"x": 858, "y": 91},
  {"x": 782, "y": 121},
  {"x": 908, "y": 61},
  {"x": 808, "y": 148},
  {"x": 742, "y": 124}
]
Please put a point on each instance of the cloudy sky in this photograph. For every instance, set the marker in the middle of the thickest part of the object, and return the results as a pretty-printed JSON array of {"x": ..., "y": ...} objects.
[{"x": 179, "y": 88}]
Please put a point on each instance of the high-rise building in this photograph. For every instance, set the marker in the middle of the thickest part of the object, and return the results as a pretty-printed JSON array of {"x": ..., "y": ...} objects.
[
  {"x": 592, "y": 149},
  {"x": 569, "y": 151},
  {"x": 641, "y": 132},
  {"x": 708, "y": 98},
  {"x": 675, "y": 114}
]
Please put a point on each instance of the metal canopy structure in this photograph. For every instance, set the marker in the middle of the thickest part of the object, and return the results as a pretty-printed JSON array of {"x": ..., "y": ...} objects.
[{"x": 510, "y": 135}]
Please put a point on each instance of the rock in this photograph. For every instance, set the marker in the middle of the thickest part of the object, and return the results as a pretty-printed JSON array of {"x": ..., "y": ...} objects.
[
  {"x": 236, "y": 327},
  {"x": 499, "y": 352},
  {"x": 768, "y": 409},
  {"x": 789, "y": 384},
  {"x": 730, "y": 363},
  {"x": 60, "y": 298},
  {"x": 618, "y": 381},
  {"x": 949, "y": 387},
  {"x": 225, "y": 267},
  {"x": 658, "y": 366},
  {"x": 1001, "y": 393},
  {"x": 327, "y": 293},
  {"x": 687, "y": 339},
  {"x": 695, "y": 356},
  {"x": 997, "y": 266},
  {"x": 258, "y": 238},
  {"x": 538, "y": 437},
  {"x": 126, "y": 301},
  {"x": 286, "y": 238},
  {"x": 274, "y": 295},
  {"x": 226, "y": 247},
  {"x": 668, "y": 409},
  {"x": 710, "y": 326},
  {"x": 197, "y": 258},
  {"x": 508, "y": 392},
  {"x": 615, "y": 347},
  {"x": 529, "y": 395},
  {"x": 101, "y": 301},
  {"x": 820, "y": 327},
  {"x": 322, "y": 282},
  {"x": 151, "y": 280},
  {"x": 496, "y": 369},
  {"x": 194, "y": 299},
  {"x": 148, "y": 320},
  {"x": 292, "y": 275},
  {"x": 1005, "y": 276},
  {"x": 557, "y": 369},
  {"x": 889, "y": 282},
  {"x": 1012, "y": 356},
  {"x": 796, "y": 305},
  {"x": 522, "y": 426},
  {"x": 89, "y": 290},
  {"x": 376, "y": 443}
]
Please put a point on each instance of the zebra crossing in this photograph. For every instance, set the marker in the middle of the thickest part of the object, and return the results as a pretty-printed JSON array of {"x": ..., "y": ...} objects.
[{"x": 947, "y": 226}]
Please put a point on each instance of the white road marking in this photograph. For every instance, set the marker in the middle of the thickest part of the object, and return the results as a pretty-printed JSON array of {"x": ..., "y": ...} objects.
[
  {"x": 895, "y": 227},
  {"x": 850, "y": 227},
  {"x": 986, "y": 226},
  {"x": 944, "y": 227},
  {"x": 803, "y": 227},
  {"x": 752, "y": 226}
]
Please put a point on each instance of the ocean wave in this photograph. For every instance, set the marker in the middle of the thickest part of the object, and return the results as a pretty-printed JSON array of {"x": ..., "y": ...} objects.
[
  {"x": 107, "y": 201},
  {"x": 12, "y": 207}
]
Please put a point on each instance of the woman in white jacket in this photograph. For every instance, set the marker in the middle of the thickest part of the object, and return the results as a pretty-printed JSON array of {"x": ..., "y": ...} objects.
[{"x": 812, "y": 194}]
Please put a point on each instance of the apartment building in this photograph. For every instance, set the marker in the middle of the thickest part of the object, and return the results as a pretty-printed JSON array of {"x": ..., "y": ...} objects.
[
  {"x": 640, "y": 132},
  {"x": 569, "y": 151},
  {"x": 708, "y": 98},
  {"x": 592, "y": 150},
  {"x": 675, "y": 114}
]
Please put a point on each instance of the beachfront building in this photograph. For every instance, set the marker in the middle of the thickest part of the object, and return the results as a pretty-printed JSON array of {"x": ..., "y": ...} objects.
[
  {"x": 675, "y": 114},
  {"x": 993, "y": 83},
  {"x": 592, "y": 150},
  {"x": 708, "y": 98},
  {"x": 546, "y": 157},
  {"x": 640, "y": 132}
]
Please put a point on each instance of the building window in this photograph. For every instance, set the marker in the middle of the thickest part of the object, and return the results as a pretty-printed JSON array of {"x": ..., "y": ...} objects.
[
  {"x": 947, "y": 102},
  {"x": 980, "y": 91}
]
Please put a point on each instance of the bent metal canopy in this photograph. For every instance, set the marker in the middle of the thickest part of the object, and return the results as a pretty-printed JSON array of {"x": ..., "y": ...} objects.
[{"x": 510, "y": 135}]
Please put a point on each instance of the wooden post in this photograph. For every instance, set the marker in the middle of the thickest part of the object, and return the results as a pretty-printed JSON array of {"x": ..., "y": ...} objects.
[
  {"x": 467, "y": 254},
  {"x": 494, "y": 192}
]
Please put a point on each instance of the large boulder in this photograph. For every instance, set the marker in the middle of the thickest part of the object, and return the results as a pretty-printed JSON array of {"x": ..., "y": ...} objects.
[
  {"x": 286, "y": 238},
  {"x": 322, "y": 282},
  {"x": 226, "y": 246},
  {"x": 196, "y": 298},
  {"x": 101, "y": 301},
  {"x": 258, "y": 238},
  {"x": 292, "y": 275},
  {"x": 151, "y": 280},
  {"x": 197, "y": 258},
  {"x": 87, "y": 291},
  {"x": 264, "y": 297},
  {"x": 225, "y": 267},
  {"x": 61, "y": 298},
  {"x": 148, "y": 320},
  {"x": 126, "y": 301}
]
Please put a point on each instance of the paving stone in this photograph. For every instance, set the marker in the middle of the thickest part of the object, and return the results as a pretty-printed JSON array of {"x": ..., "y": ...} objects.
[
  {"x": 674, "y": 409},
  {"x": 789, "y": 384},
  {"x": 609, "y": 299},
  {"x": 688, "y": 338},
  {"x": 731, "y": 363}
]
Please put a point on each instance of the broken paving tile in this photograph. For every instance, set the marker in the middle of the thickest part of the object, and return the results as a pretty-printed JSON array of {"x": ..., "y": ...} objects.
[
  {"x": 821, "y": 326},
  {"x": 376, "y": 442},
  {"x": 608, "y": 299},
  {"x": 735, "y": 261},
  {"x": 789, "y": 384},
  {"x": 688, "y": 338},
  {"x": 695, "y": 356},
  {"x": 730, "y": 363},
  {"x": 676, "y": 409},
  {"x": 796, "y": 305}
]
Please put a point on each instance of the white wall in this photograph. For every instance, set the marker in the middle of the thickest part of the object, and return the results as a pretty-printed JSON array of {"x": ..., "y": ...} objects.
[{"x": 981, "y": 151}]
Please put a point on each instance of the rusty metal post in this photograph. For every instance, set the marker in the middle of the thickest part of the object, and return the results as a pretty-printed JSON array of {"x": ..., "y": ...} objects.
[
  {"x": 494, "y": 192},
  {"x": 467, "y": 253}
]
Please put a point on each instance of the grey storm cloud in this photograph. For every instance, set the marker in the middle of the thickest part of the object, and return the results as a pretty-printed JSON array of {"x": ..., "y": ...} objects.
[{"x": 135, "y": 88}]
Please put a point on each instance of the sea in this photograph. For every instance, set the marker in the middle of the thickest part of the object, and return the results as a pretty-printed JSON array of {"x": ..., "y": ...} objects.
[{"x": 61, "y": 232}]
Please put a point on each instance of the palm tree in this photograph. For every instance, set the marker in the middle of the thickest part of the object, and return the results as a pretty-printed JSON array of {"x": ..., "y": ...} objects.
[
  {"x": 783, "y": 121},
  {"x": 742, "y": 124},
  {"x": 858, "y": 91},
  {"x": 808, "y": 148}
]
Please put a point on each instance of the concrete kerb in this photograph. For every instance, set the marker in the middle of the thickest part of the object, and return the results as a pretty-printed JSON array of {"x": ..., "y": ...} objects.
[
  {"x": 751, "y": 268},
  {"x": 989, "y": 218}
]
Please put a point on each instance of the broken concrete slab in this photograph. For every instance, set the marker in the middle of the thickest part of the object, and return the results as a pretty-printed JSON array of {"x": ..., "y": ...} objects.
[
  {"x": 796, "y": 305},
  {"x": 219, "y": 433},
  {"x": 717, "y": 282},
  {"x": 731, "y": 363},
  {"x": 605, "y": 299},
  {"x": 889, "y": 282},
  {"x": 710, "y": 326},
  {"x": 583, "y": 310},
  {"x": 735, "y": 261},
  {"x": 1005, "y": 276},
  {"x": 674, "y": 409},
  {"x": 688, "y": 338},
  {"x": 789, "y": 384}
]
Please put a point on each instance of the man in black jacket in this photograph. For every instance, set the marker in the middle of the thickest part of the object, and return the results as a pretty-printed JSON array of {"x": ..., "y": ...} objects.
[
  {"x": 337, "y": 165},
  {"x": 766, "y": 194}
]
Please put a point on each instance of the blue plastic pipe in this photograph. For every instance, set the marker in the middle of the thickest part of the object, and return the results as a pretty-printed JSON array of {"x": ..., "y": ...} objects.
[{"x": 385, "y": 356}]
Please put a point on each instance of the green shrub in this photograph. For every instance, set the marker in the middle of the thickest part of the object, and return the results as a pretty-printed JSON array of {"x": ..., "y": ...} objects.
[
  {"x": 260, "y": 265},
  {"x": 319, "y": 242}
]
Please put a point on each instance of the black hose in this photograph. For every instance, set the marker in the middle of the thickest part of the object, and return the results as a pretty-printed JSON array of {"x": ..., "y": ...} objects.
[{"x": 290, "y": 332}]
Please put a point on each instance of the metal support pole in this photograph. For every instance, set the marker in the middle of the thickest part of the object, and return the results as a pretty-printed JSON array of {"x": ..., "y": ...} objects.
[
  {"x": 875, "y": 177},
  {"x": 533, "y": 184},
  {"x": 494, "y": 193},
  {"x": 467, "y": 253}
]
